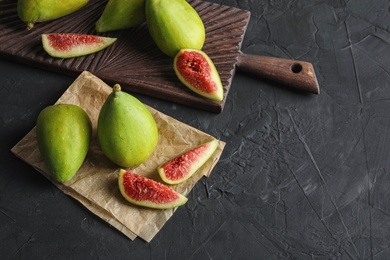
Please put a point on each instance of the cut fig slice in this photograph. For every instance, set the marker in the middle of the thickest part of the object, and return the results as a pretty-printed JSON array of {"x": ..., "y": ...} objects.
[
  {"x": 146, "y": 192},
  {"x": 69, "y": 45},
  {"x": 183, "y": 166},
  {"x": 196, "y": 70}
]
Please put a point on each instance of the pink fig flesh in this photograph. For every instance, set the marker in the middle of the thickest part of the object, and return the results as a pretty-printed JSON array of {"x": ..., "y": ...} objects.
[
  {"x": 183, "y": 166},
  {"x": 67, "y": 45},
  {"x": 196, "y": 70},
  {"x": 146, "y": 192}
]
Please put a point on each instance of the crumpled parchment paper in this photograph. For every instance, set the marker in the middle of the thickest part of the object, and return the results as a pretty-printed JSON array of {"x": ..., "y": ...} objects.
[{"x": 96, "y": 183}]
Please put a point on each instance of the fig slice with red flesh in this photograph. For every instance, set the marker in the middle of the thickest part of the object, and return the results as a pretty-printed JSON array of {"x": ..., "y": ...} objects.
[
  {"x": 183, "y": 166},
  {"x": 142, "y": 191},
  {"x": 196, "y": 70},
  {"x": 69, "y": 45}
]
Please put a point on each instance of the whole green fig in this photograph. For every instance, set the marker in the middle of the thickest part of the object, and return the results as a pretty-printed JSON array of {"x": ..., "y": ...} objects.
[
  {"x": 121, "y": 14},
  {"x": 34, "y": 11},
  {"x": 127, "y": 131},
  {"x": 174, "y": 25},
  {"x": 63, "y": 135}
]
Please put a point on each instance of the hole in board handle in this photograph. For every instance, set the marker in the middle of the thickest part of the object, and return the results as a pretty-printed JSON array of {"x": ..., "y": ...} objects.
[{"x": 296, "y": 68}]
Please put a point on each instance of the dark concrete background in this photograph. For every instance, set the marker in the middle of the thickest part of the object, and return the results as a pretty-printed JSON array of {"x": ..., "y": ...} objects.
[{"x": 301, "y": 177}]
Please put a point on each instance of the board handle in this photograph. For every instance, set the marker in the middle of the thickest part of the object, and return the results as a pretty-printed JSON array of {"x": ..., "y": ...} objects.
[{"x": 292, "y": 73}]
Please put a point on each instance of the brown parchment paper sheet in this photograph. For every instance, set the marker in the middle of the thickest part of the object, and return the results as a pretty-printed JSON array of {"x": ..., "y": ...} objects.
[{"x": 95, "y": 184}]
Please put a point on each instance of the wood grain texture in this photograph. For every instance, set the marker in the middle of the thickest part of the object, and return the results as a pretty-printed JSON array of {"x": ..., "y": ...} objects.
[{"x": 133, "y": 60}]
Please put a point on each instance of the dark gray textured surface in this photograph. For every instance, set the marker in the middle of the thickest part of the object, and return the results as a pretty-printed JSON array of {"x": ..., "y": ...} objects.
[{"x": 302, "y": 176}]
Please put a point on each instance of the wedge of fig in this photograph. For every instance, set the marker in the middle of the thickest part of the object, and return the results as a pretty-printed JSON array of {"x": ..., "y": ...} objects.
[
  {"x": 68, "y": 45},
  {"x": 196, "y": 70},
  {"x": 183, "y": 166},
  {"x": 146, "y": 192}
]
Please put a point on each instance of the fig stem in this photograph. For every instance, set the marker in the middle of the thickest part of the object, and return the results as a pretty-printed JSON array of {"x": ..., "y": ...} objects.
[
  {"x": 30, "y": 25},
  {"x": 116, "y": 87}
]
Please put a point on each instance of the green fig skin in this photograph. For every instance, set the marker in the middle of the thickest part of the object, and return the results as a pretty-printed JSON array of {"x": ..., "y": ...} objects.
[
  {"x": 174, "y": 25},
  {"x": 35, "y": 11},
  {"x": 121, "y": 14},
  {"x": 63, "y": 135},
  {"x": 127, "y": 131}
]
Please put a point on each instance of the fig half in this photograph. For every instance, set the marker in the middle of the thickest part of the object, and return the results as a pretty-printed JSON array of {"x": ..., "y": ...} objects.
[
  {"x": 196, "y": 70},
  {"x": 142, "y": 191}
]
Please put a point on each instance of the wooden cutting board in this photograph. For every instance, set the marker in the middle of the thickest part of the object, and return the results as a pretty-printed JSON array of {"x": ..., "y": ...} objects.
[{"x": 134, "y": 61}]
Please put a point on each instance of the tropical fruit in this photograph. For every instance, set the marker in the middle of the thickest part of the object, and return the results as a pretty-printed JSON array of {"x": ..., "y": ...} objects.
[
  {"x": 146, "y": 192},
  {"x": 121, "y": 14},
  {"x": 68, "y": 45},
  {"x": 63, "y": 135},
  {"x": 183, "y": 166},
  {"x": 196, "y": 70},
  {"x": 174, "y": 25},
  {"x": 127, "y": 131},
  {"x": 34, "y": 11}
]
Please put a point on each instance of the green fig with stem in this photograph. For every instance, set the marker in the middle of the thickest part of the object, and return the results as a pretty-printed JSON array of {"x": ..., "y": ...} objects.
[
  {"x": 126, "y": 129},
  {"x": 121, "y": 14},
  {"x": 36, "y": 11}
]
